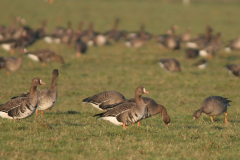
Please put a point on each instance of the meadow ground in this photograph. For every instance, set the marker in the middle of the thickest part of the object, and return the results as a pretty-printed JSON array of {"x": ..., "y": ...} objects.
[{"x": 69, "y": 130}]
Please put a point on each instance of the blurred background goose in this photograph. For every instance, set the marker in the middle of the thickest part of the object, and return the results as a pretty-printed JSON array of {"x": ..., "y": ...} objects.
[
  {"x": 170, "y": 64},
  {"x": 11, "y": 63},
  {"x": 213, "y": 106},
  {"x": 234, "y": 69},
  {"x": 22, "y": 107},
  {"x": 44, "y": 56},
  {"x": 233, "y": 45}
]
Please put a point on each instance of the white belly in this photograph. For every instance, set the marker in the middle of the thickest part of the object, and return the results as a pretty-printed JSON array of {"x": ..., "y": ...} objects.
[
  {"x": 113, "y": 120},
  {"x": 33, "y": 57},
  {"x": 5, "y": 115}
]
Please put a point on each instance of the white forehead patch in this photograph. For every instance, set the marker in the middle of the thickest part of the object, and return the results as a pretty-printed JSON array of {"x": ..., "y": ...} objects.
[
  {"x": 40, "y": 81},
  {"x": 144, "y": 90}
]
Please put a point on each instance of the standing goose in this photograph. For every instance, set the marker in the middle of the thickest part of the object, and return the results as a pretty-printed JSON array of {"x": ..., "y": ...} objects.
[
  {"x": 45, "y": 55},
  {"x": 105, "y": 98},
  {"x": 22, "y": 107},
  {"x": 234, "y": 69},
  {"x": 170, "y": 64},
  {"x": 127, "y": 113},
  {"x": 11, "y": 63},
  {"x": 46, "y": 98},
  {"x": 213, "y": 106},
  {"x": 152, "y": 108}
]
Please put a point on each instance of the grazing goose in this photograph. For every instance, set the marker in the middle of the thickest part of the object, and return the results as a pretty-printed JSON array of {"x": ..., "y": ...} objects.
[
  {"x": 11, "y": 63},
  {"x": 170, "y": 64},
  {"x": 152, "y": 108},
  {"x": 80, "y": 47},
  {"x": 233, "y": 45},
  {"x": 44, "y": 56},
  {"x": 105, "y": 98},
  {"x": 22, "y": 107},
  {"x": 213, "y": 106},
  {"x": 191, "y": 53},
  {"x": 46, "y": 98},
  {"x": 127, "y": 113},
  {"x": 169, "y": 40},
  {"x": 201, "y": 64},
  {"x": 234, "y": 69}
]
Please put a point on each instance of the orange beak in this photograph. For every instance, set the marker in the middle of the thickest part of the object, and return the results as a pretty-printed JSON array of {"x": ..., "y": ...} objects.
[
  {"x": 146, "y": 92},
  {"x": 42, "y": 82}
]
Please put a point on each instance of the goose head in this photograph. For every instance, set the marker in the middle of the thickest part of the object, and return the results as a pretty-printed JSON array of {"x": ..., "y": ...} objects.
[{"x": 37, "y": 81}]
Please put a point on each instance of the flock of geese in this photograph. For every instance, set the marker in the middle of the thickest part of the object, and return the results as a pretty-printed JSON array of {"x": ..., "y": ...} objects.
[
  {"x": 21, "y": 36},
  {"x": 116, "y": 108}
]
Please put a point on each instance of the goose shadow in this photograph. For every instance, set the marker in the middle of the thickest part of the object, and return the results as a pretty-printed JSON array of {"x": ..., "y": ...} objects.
[
  {"x": 65, "y": 123},
  {"x": 67, "y": 112}
]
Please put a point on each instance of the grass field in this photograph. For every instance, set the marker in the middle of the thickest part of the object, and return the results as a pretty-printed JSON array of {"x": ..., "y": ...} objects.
[{"x": 69, "y": 130}]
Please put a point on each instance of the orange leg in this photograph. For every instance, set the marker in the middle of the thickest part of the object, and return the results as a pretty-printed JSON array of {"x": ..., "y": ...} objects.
[
  {"x": 211, "y": 118},
  {"x": 8, "y": 73},
  {"x": 124, "y": 126},
  {"x": 138, "y": 123},
  {"x": 41, "y": 113},
  {"x": 12, "y": 51},
  {"x": 51, "y": 1},
  {"x": 36, "y": 112},
  {"x": 43, "y": 64},
  {"x": 226, "y": 121}
]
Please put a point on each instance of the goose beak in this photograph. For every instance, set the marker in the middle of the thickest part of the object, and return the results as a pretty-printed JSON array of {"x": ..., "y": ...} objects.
[
  {"x": 42, "y": 82},
  {"x": 146, "y": 92}
]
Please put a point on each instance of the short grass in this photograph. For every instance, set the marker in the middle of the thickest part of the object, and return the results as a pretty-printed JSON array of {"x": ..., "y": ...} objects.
[{"x": 68, "y": 130}]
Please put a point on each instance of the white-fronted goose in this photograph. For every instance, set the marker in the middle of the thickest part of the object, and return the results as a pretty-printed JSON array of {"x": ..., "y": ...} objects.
[
  {"x": 170, "y": 64},
  {"x": 22, "y": 107},
  {"x": 46, "y": 98},
  {"x": 213, "y": 106},
  {"x": 234, "y": 69},
  {"x": 44, "y": 55},
  {"x": 191, "y": 53},
  {"x": 138, "y": 41},
  {"x": 152, "y": 108},
  {"x": 185, "y": 37},
  {"x": 11, "y": 63},
  {"x": 233, "y": 45},
  {"x": 201, "y": 64},
  {"x": 127, "y": 113},
  {"x": 169, "y": 40},
  {"x": 201, "y": 40},
  {"x": 104, "y": 98},
  {"x": 80, "y": 47}
]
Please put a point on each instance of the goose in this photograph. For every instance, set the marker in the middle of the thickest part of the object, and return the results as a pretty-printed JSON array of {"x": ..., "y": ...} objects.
[
  {"x": 191, "y": 53},
  {"x": 170, "y": 64},
  {"x": 46, "y": 98},
  {"x": 104, "y": 98},
  {"x": 80, "y": 47},
  {"x": 22, "y": 107},
  {"x": 169, "y": 40},
  {"x": 139, "y": 40},
  {"x": 201, "y": 64},
  {"x": 213, "y": 106},
  {"x": 233, "y": 45},
  {"x": 234, "y": 69},
  {"x": 44, "y": 55},
  {"x": 152, "y": 108},
  {"x": 201, "y": 40},
  {"x": 185, "y": 37},
  {"x": 127, "y": 113},
  {"x": 11, "y": 63}
]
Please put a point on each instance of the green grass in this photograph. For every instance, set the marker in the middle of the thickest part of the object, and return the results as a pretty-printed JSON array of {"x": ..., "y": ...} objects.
[{"x": 68, "y": 130}]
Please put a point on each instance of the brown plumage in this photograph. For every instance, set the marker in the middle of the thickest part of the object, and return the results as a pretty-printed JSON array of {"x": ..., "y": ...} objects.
[
  {"x": 22, "y": 107},
  {"x": 45, "y": 56},
  {"x": 152, "y": 108},
  {"x": 104, "y": 98},
  {"x": 127, "y": 113},
  {"x": 213, "y": 106},
  {"x": 170, "y": 64}
]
